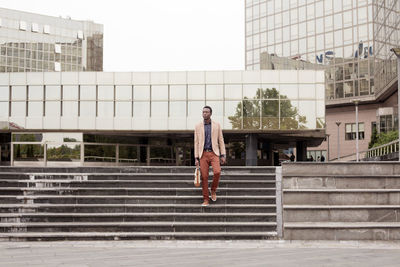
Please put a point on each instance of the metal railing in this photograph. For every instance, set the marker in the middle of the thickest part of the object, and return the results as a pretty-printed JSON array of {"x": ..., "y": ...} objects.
[{"x": 383, "y": 150}]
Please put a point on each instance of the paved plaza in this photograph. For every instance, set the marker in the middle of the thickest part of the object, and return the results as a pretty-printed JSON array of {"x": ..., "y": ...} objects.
[{"x": 199, "y": 253}]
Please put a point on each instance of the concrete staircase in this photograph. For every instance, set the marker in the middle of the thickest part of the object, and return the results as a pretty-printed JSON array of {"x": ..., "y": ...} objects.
[
  {"x": 341, "y": 201},
  {"x": 134, "y": 203}
]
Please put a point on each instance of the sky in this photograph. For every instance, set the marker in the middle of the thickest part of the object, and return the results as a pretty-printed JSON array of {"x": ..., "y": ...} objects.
[{"x": 158, "y": 35}]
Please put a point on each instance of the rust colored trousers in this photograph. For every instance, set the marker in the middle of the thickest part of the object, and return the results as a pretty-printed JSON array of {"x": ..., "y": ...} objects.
[{"x": 207, "y": 159}]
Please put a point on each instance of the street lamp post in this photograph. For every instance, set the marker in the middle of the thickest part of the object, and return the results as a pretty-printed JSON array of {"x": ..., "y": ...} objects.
[
  {"x": 396, "y": 51},
  {"x": 327, "y": 157},
  {"x": 356, "y": 104},
  {"x": 338, "y": 140}
]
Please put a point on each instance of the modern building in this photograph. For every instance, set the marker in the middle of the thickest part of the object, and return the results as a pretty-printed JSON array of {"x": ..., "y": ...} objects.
[
  {"x": 148, "y": 117},
  {"x": 31, "y": 43},
  {"x": 351, "y": 40}
]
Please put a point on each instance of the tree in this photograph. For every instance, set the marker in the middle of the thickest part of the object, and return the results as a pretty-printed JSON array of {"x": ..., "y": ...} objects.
[{"x": 262, "y": 112}]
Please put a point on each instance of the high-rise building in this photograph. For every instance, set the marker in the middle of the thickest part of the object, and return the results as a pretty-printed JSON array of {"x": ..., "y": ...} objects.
[
  {"x": 32, "y": 42},
  {"x": 351, "y": 40}
]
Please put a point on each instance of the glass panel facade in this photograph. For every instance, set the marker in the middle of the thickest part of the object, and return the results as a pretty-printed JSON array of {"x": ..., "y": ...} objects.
[
  {"x": 330, "y": 34},
  {"x": 42, "y": 43},
  {"x": 267, "y": 100}
]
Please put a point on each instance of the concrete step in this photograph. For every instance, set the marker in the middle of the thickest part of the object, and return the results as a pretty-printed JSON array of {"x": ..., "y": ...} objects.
[
  {"x": 122, "y": 199},
  {"x": 134, "y": 191},
  {"x": 169, "y": 226},
  {"x": 342, "y": 230},
  {"x": 341, "y": 196},
  {"x": 134, "y": 208},
  {"x": 341, "y": 213},
  {"x": 319, "y": 181},
  {"x": 132, "y": 217},
  {"x": 130, "y": 176},
  {"x": 57, "y": 236},
  {"x": 135, "y": 169},
  {"x": 135, "y": 183}
]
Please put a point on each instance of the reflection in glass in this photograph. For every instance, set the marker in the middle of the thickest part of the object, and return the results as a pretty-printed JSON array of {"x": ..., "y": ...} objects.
[
  {"x": 64, "y": 152},
  {"x": 99, "y": 153},
  {"x": 53, "y": 109},
  {"x": 307, "y": 109},
  {"x": 128, "y": 154},
  {"x": 4, "y": 93},
  {"x": 3, "y": 109},
  {"x": 31, "y": 152},
  {"x": 289, "y": 90},
  {"x": 251, "y": 90},
  {"x": 217, "y": 107}
]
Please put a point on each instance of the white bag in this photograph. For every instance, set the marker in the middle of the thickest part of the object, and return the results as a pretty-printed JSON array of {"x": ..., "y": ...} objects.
[{"x": 197, "y": 179}]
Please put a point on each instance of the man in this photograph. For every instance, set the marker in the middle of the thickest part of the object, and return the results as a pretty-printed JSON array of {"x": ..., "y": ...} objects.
[
  {"x": 209, "y": 149},
  {"x": 292, "y": 157}
]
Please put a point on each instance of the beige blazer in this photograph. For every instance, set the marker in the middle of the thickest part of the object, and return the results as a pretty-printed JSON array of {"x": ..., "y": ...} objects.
[{"x": 217, "y": 139}]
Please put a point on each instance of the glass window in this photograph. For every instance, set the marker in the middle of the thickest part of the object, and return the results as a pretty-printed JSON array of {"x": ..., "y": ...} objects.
[
  {"x": 302, "y": 13},
  {"x": 251, "y": 91},
  {"x": 123, "y": 109},
  {"x": 53, "y": 108},
  {"x": 311, "y": 44},
  {"x": 18, "y": 109},
  {"x": 271, "y": 23},
  {"x": 123, "y": 92},
  {"x": 217, "y": 107},
  {"x": 88, "y": 92},
  {"x": 306, "y": 91},
  {"x": 328, "y": 23},
  {"x": 105, "y": 109},
  {"x": 53, "y": 92},
  {"x": 278, "y": 20},
  {"x": 337, "y": 21},
  {"x": 278, "y": 5},
  {"x": 106, "y": 92},
  {"x": 337, "y": 6},
  {"x": 310, "y": 27},
  {"x": 286, "y": 34},
  {"x": 320, "y": 25},
  {"x": 195, "y": 108},
  {"x": 18, "y": 92},
  {"x": 293, "y": 16},
  {"x": 319, "y": 9},
  {"x": 338, "y": 39},
  {"x": 35, "y": 92},
  {"x": 307, "y": 109},
  {"x": 196, "y": 92},
  {"x": 177, "y": 92},
  {"x": 70, "y": 92},
  {"x": 141, "y": 92},
  {"x": 141, "y": 109},
  {"x": 302, "y": 30},
  {"x": 4, "y": 93},
  {"x": 329, "y": 40},
  {"x": 278, "y": 35},
  {"x": 177, "y": 109},
  {"x": 294, "y": 31},
  {"x": 347, "y": 19},
  {"x": 348, "y": 36},
  {"x": 159, "y": 109},
  {"x": 46, "y": 29},
  {"x": 4, "y": 109},
  {"x": 214, "y": 92},
  {"x": 362, "y": 15},
  {"x": 87, "y": 108},
  {"x": 159, "y": 92},
  {"x": 35, "y": 109},
  {"x": 285, "y": 16},
  {"x": 70, "y": 108},
  {"x": 289, "y": 91},
  {"x": 233, "y": 91},
  {"x": 351, "y": 132},
  {"x": 310, "y": 11}
]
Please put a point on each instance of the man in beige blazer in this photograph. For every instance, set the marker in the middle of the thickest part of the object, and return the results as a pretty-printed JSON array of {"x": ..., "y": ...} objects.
[{"x": 209, "y": 149}]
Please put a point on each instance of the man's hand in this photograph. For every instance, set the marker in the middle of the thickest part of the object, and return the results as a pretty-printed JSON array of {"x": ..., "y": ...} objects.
[
  {"x": 223, "y": 160},
  {"x": 197, "y": 163}
]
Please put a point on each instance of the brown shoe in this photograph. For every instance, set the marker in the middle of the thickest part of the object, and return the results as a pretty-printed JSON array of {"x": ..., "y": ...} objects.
[
  {"x": 213, "y": 196},
  {"x": 205, "y": 203}
]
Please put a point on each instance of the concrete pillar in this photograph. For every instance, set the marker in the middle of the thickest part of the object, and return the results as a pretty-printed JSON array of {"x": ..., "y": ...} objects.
[
  {"x": 301, "y": 151},
  {"x": 251, "y": 150}
]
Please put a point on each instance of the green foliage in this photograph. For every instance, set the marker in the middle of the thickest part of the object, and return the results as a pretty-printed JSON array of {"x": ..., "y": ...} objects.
[
  {"x": 64, "y": 152},
  {"x": 268, "y": 109},
  {"x": 383, "y": 138}
]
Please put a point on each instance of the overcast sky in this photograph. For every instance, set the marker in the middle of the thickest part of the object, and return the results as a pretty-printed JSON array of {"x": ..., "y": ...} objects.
[{"x": 158, "y": 35}]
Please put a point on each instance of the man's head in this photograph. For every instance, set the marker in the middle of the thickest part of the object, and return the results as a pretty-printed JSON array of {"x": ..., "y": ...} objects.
[{"x": 207, "y": 111}]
